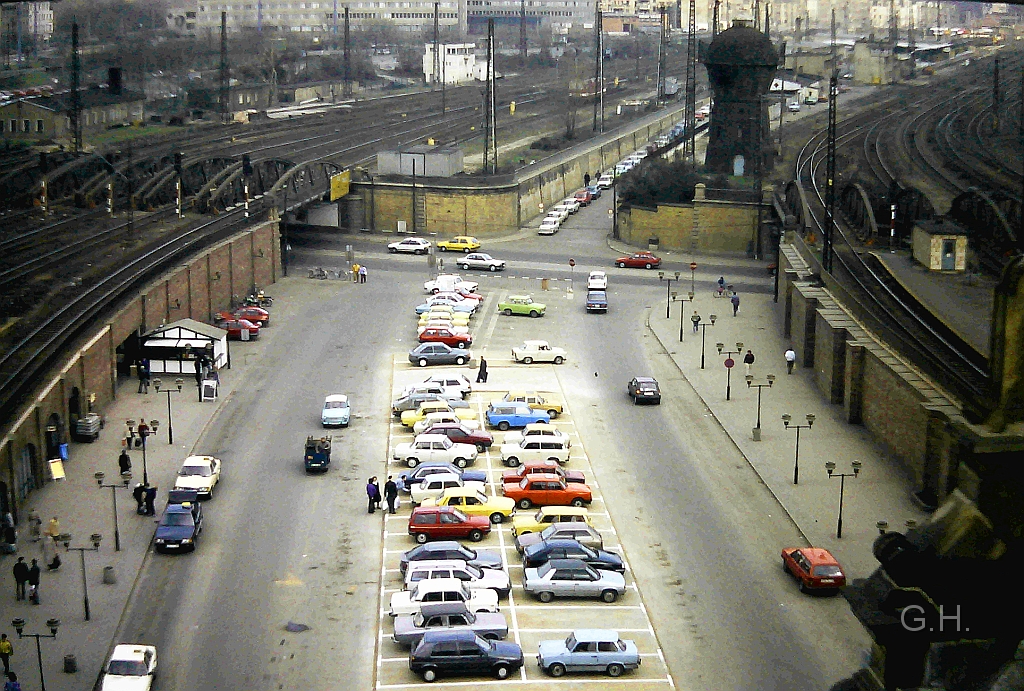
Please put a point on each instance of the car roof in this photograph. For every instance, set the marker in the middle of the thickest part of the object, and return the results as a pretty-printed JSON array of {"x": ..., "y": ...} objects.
[
  {"x": 563, "y": 511},
  {"x": 336, "y": 397},
  {"x": 449, "y": 635},
  {"x": 130, "y": 652},
  {"x": 439, "y": 584},
  {"x": 435, "y": 608},
  {"x": 443, "y": 476},
  {"x": 818, "y": 556},
  {"x": 439, "y": 546},
  {"x": 535, "y": 343},
  {"x": 436, "y": 563},
  {"x": 545, "y": 476},
  {"x": 460, "y": 491},
  {"x": 596, "y": 635},
  {"x": 597, "y": 273},
  {"x": 567, "y": 563},
  {"x": 198, "y": 460},
  {"x": 646, "y": 379}
]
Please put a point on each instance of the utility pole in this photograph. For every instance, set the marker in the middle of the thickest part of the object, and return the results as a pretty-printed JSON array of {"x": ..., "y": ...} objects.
[
  {"x": 830, "y": 190},
  {"x": 757, "y": 15},
  {"x": 348, "y": 59},
  {"x": 893, "y": 28},
  {"x": 599, "y": 73},
  {"x": 523, "y": 49},
  {"x": 224, "y": 106},
  {"x": 767, "y": 14},
  {"x": 995, "y": 97},
  {"x": 661, "y": 58},
  {"x": 714, "y": 19},
  {"x": 259, "y": 16},
  {"x": 435, "y": 71},
  {"x": 636, "y": 51},
  {"x": 490, "y": 108},
  {"x": 76, "y": 93},
  {"x": 690, "y": 109}
]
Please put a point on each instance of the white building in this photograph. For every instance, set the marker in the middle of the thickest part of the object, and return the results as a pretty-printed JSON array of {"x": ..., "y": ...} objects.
[
  {"x": 458, "y": 66},
  {"x": 562, "y": 16},
  {"x": 35, "y": 18},
  {"x": 325, "y": 16}
]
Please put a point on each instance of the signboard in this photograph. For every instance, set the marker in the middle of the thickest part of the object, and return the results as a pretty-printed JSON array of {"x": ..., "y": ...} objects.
[
  {"x": 572, "y": 262},
  {"x": 339, "y": 184},
  {"x": 729, "y": 362},
  {"x": 693, "y": 266}
]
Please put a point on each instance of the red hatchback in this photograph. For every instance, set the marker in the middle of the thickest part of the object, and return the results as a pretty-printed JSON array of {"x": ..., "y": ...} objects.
[
  {"x": 546, "y": 489},
  {"x": 539, "y": 467},
  {"x": 235, "y": 327},
  {"x": 638, "y": 260},
  {"x": 449, "y": 338},
  {"x": 584, "y": 197},
  {"x": 256, "y": 315},
  {"x": 815, "y": 568},
  {"x": 447, "y": 523}
]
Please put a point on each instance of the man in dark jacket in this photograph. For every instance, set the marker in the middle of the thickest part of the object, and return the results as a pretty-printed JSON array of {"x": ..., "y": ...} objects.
[
  {"x": 391, "y": 493},
  {"x": 20, "y": 577},
  {"x": 150, "y": 501},
  {"x": 33, "y": 581},
  {"x": 124, "y": 462},
  {"x": 140, "y": 497}
]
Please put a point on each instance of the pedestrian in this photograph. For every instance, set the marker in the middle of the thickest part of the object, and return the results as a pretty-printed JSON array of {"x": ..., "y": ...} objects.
[
  {"x": 33, "y": 582},
  {"x": 481, "y": 375},
  {"x": 35, "y": 524},
  {"x": 140, "y": 498},
  {"x": 143, "y": 433},
  {"x": 391, "y": 493},
  {"x": 150, "y": 501},
  {"x": 129, "y": 434},
  {"x": 50, "y": 556},
  {"x": 721, "y": 284},
  {"x": 199, "y": 372},
  {"x": 790, "y": 360},
  {"x": 735, "y": 300},
  {"x": 586, "y": 179},
  {"x": 20, "y": 578},
  {"x": 12, "y": 682},
  {"x": 53, "y": 529},
  {"x": 748, "y": 360},
  {"x": 362, "y": 274},
  {"x": 696, "y": 321},
  {"x": 124, "y": 462},
  {"x": 355, "y": 273},
  {"x": 372, "y": 495},
  {"x": 6, "y": 650},
  {"x": 143, "y": 370}
]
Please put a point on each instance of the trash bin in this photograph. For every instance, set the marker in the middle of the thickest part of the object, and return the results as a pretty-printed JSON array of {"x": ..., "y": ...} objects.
[
  {"x": 109, "y": 577},
  {"x": 544, "y": 284},
  {"x": 756, "y": 433},
  {"x": 652, "y": 244},
  {"x": 70, "y": 664}
]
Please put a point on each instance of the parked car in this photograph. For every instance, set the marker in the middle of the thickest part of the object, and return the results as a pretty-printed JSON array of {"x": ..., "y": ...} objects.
[
  {"x": 463, "y": 652},
  {"x": 638, "y": 260},
  {"x": 199, "y": 474},
  {"x": 549, "y": 225},
  {"x": 445, "y": 417},
  {"x": 448, "y": 616},
  {"x": 434, "y": 486},
  {"x": 451, "y": 381},
  {"x": 181, "y": 523},
  {"x": 459, "y": 433},
  {"x": 598, "y": 280},
  {"x": 459, "y": 243},
  {"x": 131, "y": 668},
  {"x": 407, "y": 480},
  {"x": 473, "y": 502},
  {"x": 794, "y": 106},
  {"x": 492, "y": 579},
  {"x": 523, "y": 305},
  {"x": 606, "y": 180},
  {"x": 450, "y": 549},
  {"x": 536, "y": 401},
  {"x": 413, "y": 399},
  {"x": 336, "y": 411},
  {"x": 541, "y": 467},
  {"x": 535, "y": 448},
  {"x": 597, "y": 301},
  {"x": 410, "y": 246},
  {"x": 449, "y": 282},
  {"x": 544, "y": 551},
  {"x": 588, "y": 650},
  {"x": 442, "y": 324},
  {"x": 815, "y": 568},
  {"x": 433, "y": 590},
  {"x": 447, "y": 336},
  {"x": 434, "y": 447},
  {"x": 595, "y": 192},
  {"x": 538, "y": 351},
  {"x": 547, "y": 490},
  {"x": 572, "y": 578},
  {"x": 507, "y": 415},
  {"x": 446, "y": 522},
  {"x": 584, "y": 197},
  {"x": 480, "y": 260},
  {"x": 444, "y": 313},
  {"x": 459, "y": 407},
  {"x": 456, "y": 304},
  {"x": 539, "y": 430},
  {"x": 240, "y": 329},
  {"x": 257, "y": 315},
  {"x": 644, "y": 389},
  {"x": 438, "y": 354},
  {"x": 582, "y": 533},
  {"x": 536, "y": 521}
]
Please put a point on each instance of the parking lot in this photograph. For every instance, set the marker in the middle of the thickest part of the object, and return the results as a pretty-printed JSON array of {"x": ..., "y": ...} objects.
[{"x": 529, "y": 620}]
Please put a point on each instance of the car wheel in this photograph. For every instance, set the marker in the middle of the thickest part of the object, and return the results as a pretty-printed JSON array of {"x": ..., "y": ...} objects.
[
  {"x": 392, "y": 250},
  {"x": 503, "y": 426},
  {"x": 435, "y": 291},
  {"x": 508, "y": 312},
  {"x": 552, "y": 414},
  {"x": 421, "y": 538},
  {"x": 534, "y": 314},
  {"x": 803, "y": 587},
  {"x": 466, "y": 250},
  {"x": 460, "y": 360},
  {"x": 647, "y": 266},
  {"x": 545, "y": 596},
  {"x": 622, "y": 265},
  {"x": 497, "y": 518},
  {"x": 491, "y": 637},
  {"x": 412, "y": 462},
  {"x": 525, "y": 503},
  {"x": 577, "y": 502},
  {"x": 615, "y": 670},
  {"x": 785, "y": 568},
  {"x": 464, "y": 267},
  {"x": 527, "y": 360},
  {"x": 420, "y": 252},
  {"x": 559, "y": 360},
  {"x": 501, "y": 671},
  {"x": 481, "y": 448},
  {"x": 609, "y": 596},
  {"x": 460, "y": 462},
  {"x": 461, "y": 345},
  {"x": 512, "y": 462},
  {"x": 442, "y": 248},
  {"x": 422, "y": 362},
  {"x": 429, "y": 675},
  {"x": 476, "y": 535},
  {"x": 493, "y": 268}
]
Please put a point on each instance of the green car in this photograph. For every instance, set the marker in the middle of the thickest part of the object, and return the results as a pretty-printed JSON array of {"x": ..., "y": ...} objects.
[{"x": 521, "y": 304}]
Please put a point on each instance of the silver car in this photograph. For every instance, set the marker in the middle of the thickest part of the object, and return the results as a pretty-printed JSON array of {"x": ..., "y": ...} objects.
[
  {"x": 580, "y": 532},
  {"x": 572, "y": 578},
  {"x": 480, "y": 260},
  {"x": 448, "y": 616}
]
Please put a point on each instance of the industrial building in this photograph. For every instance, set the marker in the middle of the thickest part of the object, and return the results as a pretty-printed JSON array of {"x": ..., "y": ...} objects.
[{"x": 457, "y": 66}]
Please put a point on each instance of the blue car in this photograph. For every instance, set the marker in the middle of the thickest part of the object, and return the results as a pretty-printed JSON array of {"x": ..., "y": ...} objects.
[
  {"x": 588, "y": 650},
  {"x": 407, "y": 480},
  {"x": 456, "y": 306},
  {"x": 597, "y": 301},
  {"x": 507, "y": 415},
  {"x": 181, "y": 522},
  {"x": 595, "y": 191}
]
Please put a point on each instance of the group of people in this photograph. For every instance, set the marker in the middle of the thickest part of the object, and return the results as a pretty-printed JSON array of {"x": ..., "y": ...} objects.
[
  {"x": 135, "y": 435},
  {"x": 373, "y": 494},
  {"x": 359, "y": 273},
  {"x": 26, "y": 579}
]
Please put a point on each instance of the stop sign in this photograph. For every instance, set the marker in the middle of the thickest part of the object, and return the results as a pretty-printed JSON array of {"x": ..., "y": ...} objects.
[
  {"x": 693, "y": 266},
  {"x": 729, "y": 362},
  {"x": 572, "y": 262}
]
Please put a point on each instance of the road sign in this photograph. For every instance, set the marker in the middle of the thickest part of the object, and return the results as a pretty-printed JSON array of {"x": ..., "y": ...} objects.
[
  {"x": 572, "y": 262},
  {"x": 693, "y": 266},
  {"x": 729, "y": 362}
]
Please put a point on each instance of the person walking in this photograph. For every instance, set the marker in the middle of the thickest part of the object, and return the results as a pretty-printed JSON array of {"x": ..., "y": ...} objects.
[
  {"x": 33, "y": 582},
  {"x": 790, "y": 360},
  {"x": 20, "y": 578},
  {"x": 362, "y": 273},
  {"x": 748, "y": 360},
  {"x": 481, "y": 375},
  {"x": 586, "y": 179},
  {"x": 12, "y": 682},
  {"x": 6, "y": 650},
  {"x": 143, "y": 370},
  {"x": 150, "y": 501},
  {"x": 129, "y": 435},
  {"x": 355, "y": 273},
  {"x": 391, "y": 493},
  {"x": 696, "y": 321},
  {"x": 372, "y": 495},
  {"x": 35, "y": 524},
  {"x": 124, "y": 462},
  {"x": 143, "y": 433},
  {"x": 735, "y": 300},
  {"x": 139, "y": 493}
]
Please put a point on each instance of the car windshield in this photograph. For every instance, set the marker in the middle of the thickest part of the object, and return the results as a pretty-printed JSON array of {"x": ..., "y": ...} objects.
[
  {"x": 336, "y": 404},
  {"x": 178, "y": 519},
  {"x": 827, "y": 571},
  {"x": 127, "y": 668},
  {"x": 200, "y": 470},
  {"x": 461, "y": 516},
  {"x": 570, "y": 642},
  {"x": 544, "y": 569}
]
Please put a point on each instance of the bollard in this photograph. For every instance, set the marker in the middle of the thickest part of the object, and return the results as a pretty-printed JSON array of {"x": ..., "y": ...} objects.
[
  {"x": 756, "y": 432},
  {"x": 109, "y": 577},
  {"x": 70, "y": 664},
  {"x": 544, "y": 284}
]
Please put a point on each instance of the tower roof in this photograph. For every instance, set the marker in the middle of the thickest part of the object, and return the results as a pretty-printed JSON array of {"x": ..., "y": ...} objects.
[{"x": 741, "y": 44}]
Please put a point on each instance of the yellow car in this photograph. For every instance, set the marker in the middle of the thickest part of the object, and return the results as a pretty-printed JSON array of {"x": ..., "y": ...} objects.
[
  {"x": 537, "y": 401},
  {"x": 441, "y": 314},
  {"x": 459, "y": 243},
  {"x": 411, "y": 417},
  {"x": 473, "y": 502},
  {"x": 537, "y": 521}
]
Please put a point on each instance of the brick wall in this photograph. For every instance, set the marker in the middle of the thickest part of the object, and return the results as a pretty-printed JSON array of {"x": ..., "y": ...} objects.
[
  {"x": 726, "y": 227},
  {"x": 802, "y": 325},
  {"x": 893, "y": 411},
  {"x": 830, "y": 337}
]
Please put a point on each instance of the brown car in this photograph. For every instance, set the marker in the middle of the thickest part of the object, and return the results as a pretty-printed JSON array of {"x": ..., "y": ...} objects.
[
  {"x": 460, "y": 434},
  {"x": 546, "y": 489},
  {"x": 446, "y": 522}
]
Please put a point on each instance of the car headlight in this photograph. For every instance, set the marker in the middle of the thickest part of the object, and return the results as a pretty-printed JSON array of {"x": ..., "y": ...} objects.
[
  {"x": 160, "y": 541},
  {"x": 187, "y": 541}
]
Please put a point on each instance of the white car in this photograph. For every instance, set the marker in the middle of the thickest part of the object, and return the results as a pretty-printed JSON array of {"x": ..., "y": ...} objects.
[
  {"x": 622, "y": 168},
  {"x": 441, "y": 417},
  {"x": 794, "y": 107},
  {"x": 433, "y": 486},
  {"x": 537, "y": 430},
  {"x": 535, "y": 448},
  {"x": 434, "y": 447},
  {"x": 606, "y": 180},
  {"x": 558, "y": 211},
  {"x": 477, "y": 578},
  {"x": 480, "y": 260},
  {"x": 131, "y": 668},
  {"x": 571, "y": 203},
  {"x": 449, "y": 283},
  {"x": 452, "y": 381},
  {"x": 549, "y": 226},
  {"x": 538, "y": 351},
  {"x": 442, "y": 590},
  {"x": 410, "y": 246},
  {"x": 598, "y": 280},
  {"x": 199, "y": 473},
  {"x": 336, "y": 411}
]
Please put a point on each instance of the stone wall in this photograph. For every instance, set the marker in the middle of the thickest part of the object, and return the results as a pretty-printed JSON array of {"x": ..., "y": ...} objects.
[{"x": 704, "y": 226}]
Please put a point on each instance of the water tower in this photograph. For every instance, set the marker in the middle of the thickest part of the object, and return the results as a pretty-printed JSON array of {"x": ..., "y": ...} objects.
[{"x": 741, "y": 62}]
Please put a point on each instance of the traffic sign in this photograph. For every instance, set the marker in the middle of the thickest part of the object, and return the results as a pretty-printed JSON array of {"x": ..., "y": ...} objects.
[
  {"x": 693, "y": 266},
  {"x": 729, "y": 362},
  {"x": 572, "y": 262}
]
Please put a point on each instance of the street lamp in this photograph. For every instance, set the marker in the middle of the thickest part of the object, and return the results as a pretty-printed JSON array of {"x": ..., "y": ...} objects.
[
  {"x": 53, "y": 624},
  {"x": 682, "y": 312},
  {"x": 752, "y": 385},
  {"x": 95, "y": 539},
  {"x": 787, "y": 420},
  {"x": 153, "y": 425},
  {"x": 831, "y": 467},
  {"x": 729, "y": 364},
  {"x": 703, "y": 332},
  {"x": 126, "y": 478},
  {"x": 179, "y": 382},
  {"x": 668, "y": 287}
]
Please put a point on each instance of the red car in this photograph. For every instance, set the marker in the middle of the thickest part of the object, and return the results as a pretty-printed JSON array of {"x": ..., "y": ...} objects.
[
  {"x": 815, "y": 568},
  {"x": 257, "y": 315},
  {"x": 449, "y": 338},
  {"x": 546, "y": 489},
  {"x": 540, "y": 467},
  {"x": 460, "y": 434},
  {"x": 234, "y": 327},
  {"x": 638, "y": 260},
  {"x": 446, "y": 522},
  {"x": 584, "y": 197}
]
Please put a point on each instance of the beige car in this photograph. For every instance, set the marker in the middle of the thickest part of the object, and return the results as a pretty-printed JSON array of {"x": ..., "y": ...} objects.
[
  {"x": 546, "y": 402},
  {"x": 536, "y": 430},
  {"x": 538, "y": 351}
]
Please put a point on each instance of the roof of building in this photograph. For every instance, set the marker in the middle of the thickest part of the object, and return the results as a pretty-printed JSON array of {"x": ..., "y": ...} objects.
[
  {"x": 211, "y": 332},
  {"x": 742, "y": 45},
  {"x": 941, "y": 226},
  {"x": 91, "y": 98}
]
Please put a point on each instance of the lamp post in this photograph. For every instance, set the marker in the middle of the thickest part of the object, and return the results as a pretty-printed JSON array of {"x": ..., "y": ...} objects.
[
  {"x": 682, "y": 312},
  {"x": 179, "y": 382},
  {"x": 143, "y": 434},
  {"x": 751, "y": 385},
  {"x": 693, "y": 269},
  {"x": 787, "y": 420},
  {"x": 53, "y": 624},
  {"x": 729, "y": 364},
  {"x": 662, "y": 276},
  {"x": 95, "y": 539},
  {"x": 831, "y": 467},
  {"x": 126, "y": 479},
  {"x": 703, "y": 332}
]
